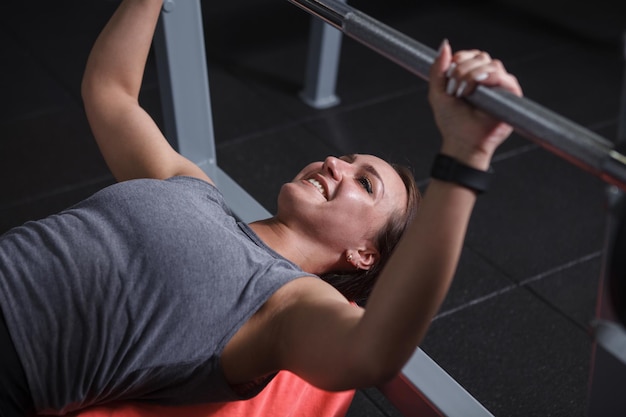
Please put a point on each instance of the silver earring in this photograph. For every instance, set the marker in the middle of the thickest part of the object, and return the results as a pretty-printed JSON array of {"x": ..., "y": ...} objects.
[{"x": 349, "y": 257}]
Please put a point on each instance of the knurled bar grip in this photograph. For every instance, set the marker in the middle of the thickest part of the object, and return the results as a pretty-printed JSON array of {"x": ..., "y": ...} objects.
[{"x": 559, "y": 135}]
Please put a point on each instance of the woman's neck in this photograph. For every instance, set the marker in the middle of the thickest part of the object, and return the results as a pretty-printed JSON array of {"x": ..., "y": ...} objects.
[{"x": 292, "y": 245}]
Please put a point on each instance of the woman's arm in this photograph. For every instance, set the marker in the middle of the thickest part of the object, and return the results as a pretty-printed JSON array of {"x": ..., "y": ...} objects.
[
  {"x": 340, "y": 348},
  {"x": 421, "y": 269},
  {"x": 130, "y": 141}
]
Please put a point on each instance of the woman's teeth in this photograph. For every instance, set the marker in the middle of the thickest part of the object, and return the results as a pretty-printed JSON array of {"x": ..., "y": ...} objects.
[{"x": 317, "y": 184}]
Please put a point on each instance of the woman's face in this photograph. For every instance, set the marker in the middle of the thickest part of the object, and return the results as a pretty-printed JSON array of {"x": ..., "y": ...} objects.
[{"x": 343, "y": 201}]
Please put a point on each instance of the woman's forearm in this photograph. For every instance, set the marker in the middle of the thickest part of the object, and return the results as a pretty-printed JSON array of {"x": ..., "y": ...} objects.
[
  {"x": 416, "y": 279},
  {"x": 119, "y": 55}
]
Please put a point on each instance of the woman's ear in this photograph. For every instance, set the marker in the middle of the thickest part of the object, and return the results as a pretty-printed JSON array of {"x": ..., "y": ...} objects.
[{"x": 366, "y": 258}]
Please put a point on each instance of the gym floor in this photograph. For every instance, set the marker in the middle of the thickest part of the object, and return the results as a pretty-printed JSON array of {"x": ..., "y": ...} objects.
[{"x": 515, "y": 328}]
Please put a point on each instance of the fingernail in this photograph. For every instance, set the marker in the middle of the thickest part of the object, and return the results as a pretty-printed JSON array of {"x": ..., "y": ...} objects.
[
  {"x": 442, "y": 45},
  {"x": 482, "y": 76},
  {"x": 450, "y": 69},
  {"x": 450, "y": 86},
  {"x": 461, "y": 88}
]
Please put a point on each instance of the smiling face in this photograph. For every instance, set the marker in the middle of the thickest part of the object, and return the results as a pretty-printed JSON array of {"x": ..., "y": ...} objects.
[{"x": 342, "y": 202}]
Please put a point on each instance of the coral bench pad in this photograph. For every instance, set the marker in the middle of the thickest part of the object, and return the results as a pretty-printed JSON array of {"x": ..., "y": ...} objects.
[{"x": 285, "y": 396}]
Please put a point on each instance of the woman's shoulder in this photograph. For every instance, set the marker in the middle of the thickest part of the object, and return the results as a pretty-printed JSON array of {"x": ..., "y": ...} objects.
[{"x": 307, "y": 291}]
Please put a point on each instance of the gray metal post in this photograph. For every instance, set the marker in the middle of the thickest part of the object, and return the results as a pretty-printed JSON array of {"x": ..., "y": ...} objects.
[
  {"x": 607, "y": 376},
  {"x": 322, "y": 65},
  {"x": 184, "y": 88},
  {"x": 184, "y": 82}
]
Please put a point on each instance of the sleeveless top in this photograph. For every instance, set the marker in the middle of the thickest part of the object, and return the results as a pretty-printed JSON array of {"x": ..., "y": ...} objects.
[{"x": 133, "y": 293}]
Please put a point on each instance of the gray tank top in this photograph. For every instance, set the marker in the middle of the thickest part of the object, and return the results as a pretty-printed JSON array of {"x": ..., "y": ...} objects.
[{"x": 133, "y": 294}]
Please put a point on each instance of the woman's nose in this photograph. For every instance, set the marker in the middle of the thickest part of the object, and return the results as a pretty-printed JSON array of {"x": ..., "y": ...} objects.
[{"x": 335, "y": 167}]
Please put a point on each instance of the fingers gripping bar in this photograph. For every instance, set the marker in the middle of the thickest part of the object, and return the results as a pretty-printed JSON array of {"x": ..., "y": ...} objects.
[{"x": 561, "y": 136}]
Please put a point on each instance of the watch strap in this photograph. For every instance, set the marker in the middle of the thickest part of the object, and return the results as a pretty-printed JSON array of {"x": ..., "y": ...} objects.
[{"x": 446, "y": 168}]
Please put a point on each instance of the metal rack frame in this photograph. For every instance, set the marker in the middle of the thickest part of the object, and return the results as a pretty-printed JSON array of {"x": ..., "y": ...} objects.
[{"x": 423, "y": 388}]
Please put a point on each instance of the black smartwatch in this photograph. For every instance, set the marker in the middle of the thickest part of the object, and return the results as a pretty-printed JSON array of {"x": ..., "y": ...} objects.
[{"x": 446, "y": 168}]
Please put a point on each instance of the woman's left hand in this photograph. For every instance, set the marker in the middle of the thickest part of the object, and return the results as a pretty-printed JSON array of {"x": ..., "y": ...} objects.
[{"x": 469, "y": 134}]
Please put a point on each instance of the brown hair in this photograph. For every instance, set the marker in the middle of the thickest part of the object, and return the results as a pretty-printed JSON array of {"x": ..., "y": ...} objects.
[{"x": 357, "y": 286}]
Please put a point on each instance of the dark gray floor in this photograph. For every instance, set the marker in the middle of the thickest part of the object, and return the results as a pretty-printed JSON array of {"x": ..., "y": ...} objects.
[{"x": 514, "y": 329}]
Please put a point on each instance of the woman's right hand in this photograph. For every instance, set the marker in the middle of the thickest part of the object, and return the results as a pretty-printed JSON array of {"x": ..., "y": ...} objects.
[{"x": 468, "y": 134}]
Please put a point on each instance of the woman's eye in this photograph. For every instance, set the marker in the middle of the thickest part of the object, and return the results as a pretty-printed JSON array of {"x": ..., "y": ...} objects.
[{"x": 366, "y": 183}]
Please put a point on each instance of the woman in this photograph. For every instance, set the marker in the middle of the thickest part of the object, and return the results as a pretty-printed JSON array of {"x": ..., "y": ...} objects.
[{"x": 151, "y": 291}]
